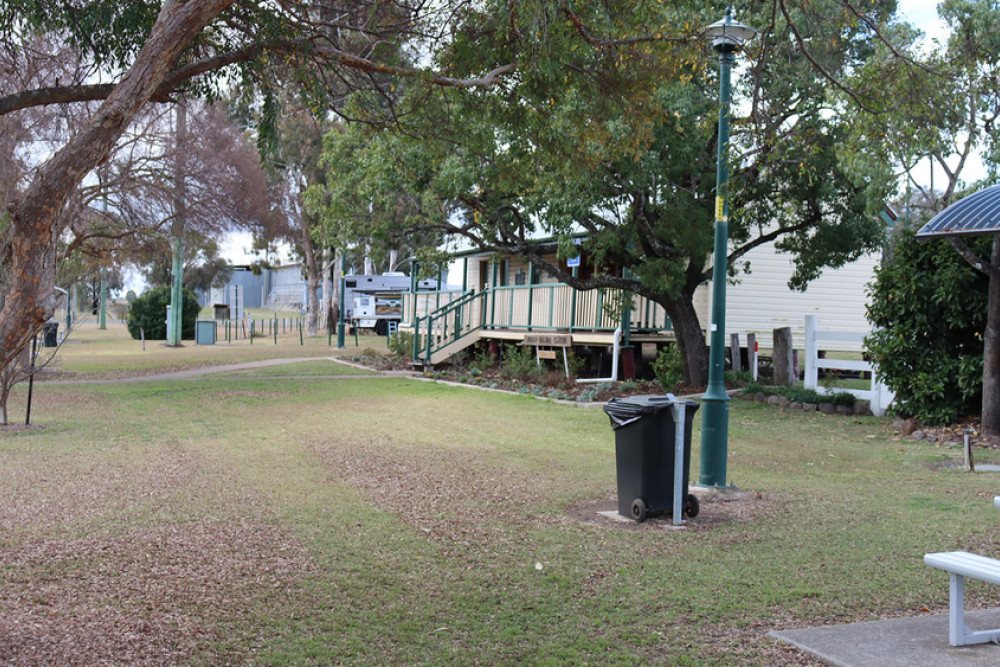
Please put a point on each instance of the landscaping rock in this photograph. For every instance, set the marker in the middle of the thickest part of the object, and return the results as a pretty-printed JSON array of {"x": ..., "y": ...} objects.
[
  {"x": 795, "y": 405},
  {"x": 862, "y": 408},
  {"x": 845, "y": 410},
  {"x": 760, "y": 397},
  {"x": 827, "y": 408},
  {"x": 809, "y": 407},
  {"x": 917, "y": 435},
  {"x": 778, "y": 400},
  {"x": 897, "y": 423},
  {"x": 908, "y": 427}
]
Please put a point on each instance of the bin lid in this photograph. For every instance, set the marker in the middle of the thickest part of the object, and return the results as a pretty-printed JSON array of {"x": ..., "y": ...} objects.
[{"x": 624, "y": 411}]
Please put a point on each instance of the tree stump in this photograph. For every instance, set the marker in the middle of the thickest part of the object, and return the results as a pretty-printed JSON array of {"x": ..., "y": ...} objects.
[{"x": 784, "y": 362}]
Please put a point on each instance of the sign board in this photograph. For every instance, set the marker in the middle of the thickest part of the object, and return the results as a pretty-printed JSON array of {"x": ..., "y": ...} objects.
[
  {"x": 573, "y": 262},
  {"x": 549, "y": 340}
]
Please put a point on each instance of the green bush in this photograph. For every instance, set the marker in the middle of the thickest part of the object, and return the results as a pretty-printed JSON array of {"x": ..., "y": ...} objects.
[
  {"x": 483, "y": 358},
  {"x": 149, "y": 313},
  {"x": 518, "y": 363},
  {"x": 669, "y": 368},
  {"x": 802, "y": 395},
  {"x": 929, "y": 308},
  {"x": 401, "y": 344}
]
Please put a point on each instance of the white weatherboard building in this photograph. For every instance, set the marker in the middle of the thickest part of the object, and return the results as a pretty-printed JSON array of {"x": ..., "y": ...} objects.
[{"x": 761, "y": 301}]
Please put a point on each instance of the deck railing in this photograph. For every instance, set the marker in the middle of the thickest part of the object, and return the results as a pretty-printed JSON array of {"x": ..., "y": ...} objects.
[
  {"x": 447, "y": 325},
  {"x": 552, "y": 306}
]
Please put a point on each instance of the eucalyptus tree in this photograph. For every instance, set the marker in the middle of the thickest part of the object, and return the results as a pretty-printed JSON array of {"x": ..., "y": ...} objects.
[
  {"x": 147, "y": 50},
  {"x": 619, "y": 142}
]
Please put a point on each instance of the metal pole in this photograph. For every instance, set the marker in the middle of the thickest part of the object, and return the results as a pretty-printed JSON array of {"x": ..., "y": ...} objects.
[
  {"x": 343, "y": 306},
  {"x": 715, "y": 417},
  {"x": 572, "y": 301},
  {"x": 31, "y": 380},
  {"x": 680, "y": 422},
  {"x": 177, "y": 230},
  {"x": 104, "y": 298},
  {"x": 531, "y": 292}
]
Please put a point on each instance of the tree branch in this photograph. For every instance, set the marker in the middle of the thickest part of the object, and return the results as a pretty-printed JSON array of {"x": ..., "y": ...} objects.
[{"x": 974, "y": 260}]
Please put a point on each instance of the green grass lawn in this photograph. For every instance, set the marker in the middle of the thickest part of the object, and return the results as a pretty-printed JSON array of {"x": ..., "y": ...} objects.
[{"x": 387, "y": 521}]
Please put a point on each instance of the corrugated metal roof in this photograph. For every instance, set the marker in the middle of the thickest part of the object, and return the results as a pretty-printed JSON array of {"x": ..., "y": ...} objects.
[{"x": 978, "y": 213}]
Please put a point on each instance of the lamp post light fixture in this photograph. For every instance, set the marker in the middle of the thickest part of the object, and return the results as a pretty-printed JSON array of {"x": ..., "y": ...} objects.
[{"x": 727, "y": 36}]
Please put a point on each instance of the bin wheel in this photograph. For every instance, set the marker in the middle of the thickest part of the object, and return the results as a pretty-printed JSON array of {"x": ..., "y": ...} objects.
[
  {"x": 692, "y": 506},
  {"x": 639, "y": 510}
]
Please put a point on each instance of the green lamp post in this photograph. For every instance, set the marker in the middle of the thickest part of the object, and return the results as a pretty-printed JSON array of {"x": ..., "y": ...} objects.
[
  {"x": 727, "y": 35},
  {"x": 341, "y": 324}
]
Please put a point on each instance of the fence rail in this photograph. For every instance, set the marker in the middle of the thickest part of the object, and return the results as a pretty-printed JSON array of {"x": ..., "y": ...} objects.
[{"x": 879, "y": 396}]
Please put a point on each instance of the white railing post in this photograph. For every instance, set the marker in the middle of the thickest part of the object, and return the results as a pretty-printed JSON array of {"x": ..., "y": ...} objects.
[{"x": 811, "y": 377}]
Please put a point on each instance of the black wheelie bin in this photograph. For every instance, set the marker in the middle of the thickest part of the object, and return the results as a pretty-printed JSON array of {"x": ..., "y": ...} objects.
[{"x": 644, "y": 454}]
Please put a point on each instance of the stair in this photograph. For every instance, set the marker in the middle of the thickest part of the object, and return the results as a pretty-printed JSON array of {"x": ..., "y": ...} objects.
[{"x": 455, "y": 347}]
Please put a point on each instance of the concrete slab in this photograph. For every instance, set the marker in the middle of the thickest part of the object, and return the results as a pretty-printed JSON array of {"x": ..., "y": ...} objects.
[{"x": 901, "y": 642}]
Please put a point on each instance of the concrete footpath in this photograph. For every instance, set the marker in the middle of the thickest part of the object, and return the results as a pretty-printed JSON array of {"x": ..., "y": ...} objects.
[{"x": 920, "y": 641}]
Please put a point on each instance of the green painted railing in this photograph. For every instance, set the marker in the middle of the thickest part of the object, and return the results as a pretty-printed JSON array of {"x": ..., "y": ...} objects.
[
  {"x": 448, "y": 324},
  {"x": 545, "y": 307}
]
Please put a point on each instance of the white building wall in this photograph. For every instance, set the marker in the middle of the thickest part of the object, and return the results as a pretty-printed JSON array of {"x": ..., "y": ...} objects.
[{"x": 762, "y": 301}]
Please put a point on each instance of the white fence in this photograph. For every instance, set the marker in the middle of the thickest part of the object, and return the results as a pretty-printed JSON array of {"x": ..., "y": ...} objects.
[{"x": 878, "y": 395}]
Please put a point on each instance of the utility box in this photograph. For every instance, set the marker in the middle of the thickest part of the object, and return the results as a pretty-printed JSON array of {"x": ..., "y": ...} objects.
[
  {"x": 205, "y": 332},
  {"x": 647, "y": 457}
]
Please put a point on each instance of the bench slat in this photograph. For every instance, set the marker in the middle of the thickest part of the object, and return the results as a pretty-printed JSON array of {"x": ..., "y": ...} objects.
[{"x": 966, "y": 564}]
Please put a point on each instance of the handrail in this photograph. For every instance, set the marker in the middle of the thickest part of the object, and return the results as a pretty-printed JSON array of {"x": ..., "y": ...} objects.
[{"x": 442, "y": 335}]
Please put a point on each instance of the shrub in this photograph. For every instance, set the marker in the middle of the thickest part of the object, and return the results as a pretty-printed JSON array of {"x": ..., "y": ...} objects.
[
  {"x": 929, "y": 308},
  {"x": 802, "y": 395},
  {"x": 669, "y": 368},
  {"x": 149, "y": 313},
  {"x": 401, "y": 344},
  {"x": 518, "y": 363},
  {"x": 483, "y": 358}
]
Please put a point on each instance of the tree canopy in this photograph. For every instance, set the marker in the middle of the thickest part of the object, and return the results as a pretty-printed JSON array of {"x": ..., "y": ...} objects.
[{"x": 621, "y": 145}]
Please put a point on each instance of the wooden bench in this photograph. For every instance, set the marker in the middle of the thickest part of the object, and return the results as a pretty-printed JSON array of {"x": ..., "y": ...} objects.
[{"x": 959, "y": 565}]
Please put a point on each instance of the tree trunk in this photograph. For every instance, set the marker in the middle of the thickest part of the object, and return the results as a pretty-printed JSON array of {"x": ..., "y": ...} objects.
[
  {"x": 690, "y": 339},
  {"x": 783, "y": 357},
  {"x": 991, "y": 351},
  {"x": 369, "y": 264},
  {"x": 325, "y": 266},
  {"x": 312, "y": 280},
  {"x": 34, "y": 225}
]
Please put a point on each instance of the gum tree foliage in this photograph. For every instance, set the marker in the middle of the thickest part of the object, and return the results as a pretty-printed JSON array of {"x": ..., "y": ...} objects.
[
  {"x": 929, "y": 311},
  {"x": 153, "y": 49},
  {"x": 939, "y": 109},
  {"x": 621, "y": 144}
]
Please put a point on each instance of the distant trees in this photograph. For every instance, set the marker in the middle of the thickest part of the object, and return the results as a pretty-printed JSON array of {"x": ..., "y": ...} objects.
[
  {"x": 154, "y": 49},
  {"x": 147, "y": 314}
]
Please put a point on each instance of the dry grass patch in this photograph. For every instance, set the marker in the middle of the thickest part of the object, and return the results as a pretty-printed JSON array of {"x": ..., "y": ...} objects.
[
  {"x": 449, "y": 495},
  {"x": 44, "y": 493},
  {"x": 150, "y": 598}
]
